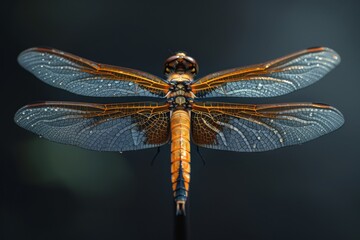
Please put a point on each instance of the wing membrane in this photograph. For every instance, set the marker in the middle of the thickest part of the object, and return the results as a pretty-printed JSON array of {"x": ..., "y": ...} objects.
[
  {"x": 84, "y": 77},
  {"x": 102, "y": 127},
  {"x": 255, "y": 128},
  {"x": 273, "y": 78}
]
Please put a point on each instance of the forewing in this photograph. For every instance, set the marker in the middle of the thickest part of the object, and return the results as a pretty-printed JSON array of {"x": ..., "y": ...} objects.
[
  {"x": 255, "y": 128},
  {"x": 84, "y": 77},
  {"x": 273, "y": 78},
  {"x": 102, "y": 127}
]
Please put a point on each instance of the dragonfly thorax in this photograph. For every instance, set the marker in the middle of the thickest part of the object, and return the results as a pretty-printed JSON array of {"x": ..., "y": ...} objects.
[
  {"x": 180, "y": 71},
  {"x": 180, "y": 95}
]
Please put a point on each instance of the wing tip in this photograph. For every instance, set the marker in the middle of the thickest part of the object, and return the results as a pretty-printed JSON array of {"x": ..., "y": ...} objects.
[
  {"x": 25, "y": 52},
  {"x": 21, "y": 111},
  {"x": 22, "y": 56},
  {"x": 18, "y": 114},
  {"x": 334, "y": 55},
  {"x": 340, "y": 119}
]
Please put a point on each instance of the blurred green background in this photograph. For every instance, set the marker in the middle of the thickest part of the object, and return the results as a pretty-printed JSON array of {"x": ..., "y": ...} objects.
[{"x": 53, "y": 191}]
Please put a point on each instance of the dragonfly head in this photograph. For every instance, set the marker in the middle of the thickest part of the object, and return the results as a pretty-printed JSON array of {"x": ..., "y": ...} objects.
[{"x": 181, "y": 65}]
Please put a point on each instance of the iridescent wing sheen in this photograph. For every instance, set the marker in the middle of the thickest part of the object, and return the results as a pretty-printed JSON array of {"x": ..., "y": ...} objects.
[
  {"x": 84, "y": 77},
  {"x": 255, "y": 128},
  {"x": 102, "y": 127},
  {"x": 273, "y": 78}
]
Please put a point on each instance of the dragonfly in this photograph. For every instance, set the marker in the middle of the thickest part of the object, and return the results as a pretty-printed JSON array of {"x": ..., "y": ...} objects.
[{"x": 182, "y": 110}]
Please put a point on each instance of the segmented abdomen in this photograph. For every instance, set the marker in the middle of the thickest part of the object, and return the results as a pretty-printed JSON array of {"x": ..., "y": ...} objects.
[{"x": 180, "y": 156}]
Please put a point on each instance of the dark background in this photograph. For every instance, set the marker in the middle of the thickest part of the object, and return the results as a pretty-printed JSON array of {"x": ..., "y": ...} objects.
[{"x": 52, "y": 191}]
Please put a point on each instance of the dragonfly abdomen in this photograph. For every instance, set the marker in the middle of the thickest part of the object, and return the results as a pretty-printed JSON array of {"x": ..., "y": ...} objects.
[{"x": 180, "y": 158}]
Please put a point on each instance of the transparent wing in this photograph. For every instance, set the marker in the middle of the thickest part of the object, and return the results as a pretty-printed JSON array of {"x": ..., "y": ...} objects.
[
  {"x": 255, "y": 128},
  {"x": 273, "y": 78},
  {"x": 84, "y": 77},
  {"x": 102, "y": 127}
]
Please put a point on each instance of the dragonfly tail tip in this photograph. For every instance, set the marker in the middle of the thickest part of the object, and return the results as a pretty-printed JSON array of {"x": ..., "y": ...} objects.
[{"x": 180, "y": 208}]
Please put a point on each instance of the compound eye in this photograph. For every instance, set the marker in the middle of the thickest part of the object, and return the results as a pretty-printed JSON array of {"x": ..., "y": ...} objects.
[
  {"x": 193, "y": 70},
  {"x": 167, "y": 70}
]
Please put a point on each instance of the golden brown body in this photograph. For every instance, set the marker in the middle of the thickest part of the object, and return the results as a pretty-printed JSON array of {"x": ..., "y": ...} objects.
[{"x": 180, "y": 156}]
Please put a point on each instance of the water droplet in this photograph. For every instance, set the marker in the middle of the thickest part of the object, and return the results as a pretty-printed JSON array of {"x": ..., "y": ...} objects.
[
  {"x": 258, "y": 138},
  {"x": 281, "y": 140},
  {"x": 299, "y": 139},
  {"x": 130, "y": 83},
  {"x": 254, "y": 146},
  {"x": 259, "y": 86},
  {"x": 109, "y": 84}
]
